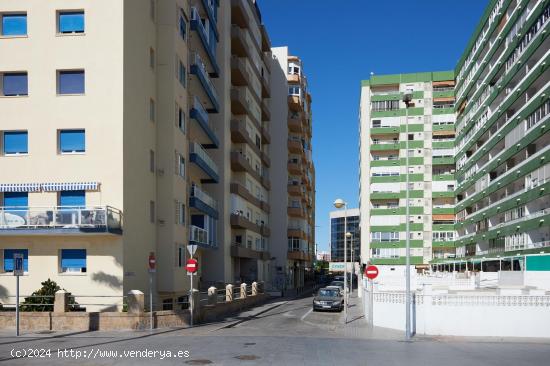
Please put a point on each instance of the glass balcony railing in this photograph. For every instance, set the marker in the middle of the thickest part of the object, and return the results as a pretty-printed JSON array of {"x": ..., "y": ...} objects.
[
  {"x": 59, "y": 218},
  {"x": 209, "y": 43},
  {"x": 200, "y": 157},
  {"x": 198, "y": 235},
  {"x": 198, "y": 68},
  {"x": 204, "y": 197}
]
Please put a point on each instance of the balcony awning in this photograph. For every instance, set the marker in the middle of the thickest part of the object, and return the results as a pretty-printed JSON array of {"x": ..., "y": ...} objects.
[
  {"x": 443, "y": 133},
  {"x": 443, "y": 217},
  {"x": 19, "y": 187},
  {"x": 444, "y": 99},
  {"x": 80, "y": 186}
]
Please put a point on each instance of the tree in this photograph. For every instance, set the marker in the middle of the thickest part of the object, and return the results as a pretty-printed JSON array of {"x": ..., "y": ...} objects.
[{"x": 43, "y": 298}]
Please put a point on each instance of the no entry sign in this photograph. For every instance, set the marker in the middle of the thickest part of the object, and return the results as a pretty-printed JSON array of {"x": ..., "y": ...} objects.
[
  {"x": 152, "y": 262},
  {"x": 371, "y": 272},
  {"x": 192, "y": 265}
]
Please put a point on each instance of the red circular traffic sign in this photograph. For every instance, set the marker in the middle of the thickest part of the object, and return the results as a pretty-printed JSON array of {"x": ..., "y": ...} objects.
[
  {"x": 371, "y": 272},
  {"x": 152, "y": 261},
  {"x": 192, "y": 265}
]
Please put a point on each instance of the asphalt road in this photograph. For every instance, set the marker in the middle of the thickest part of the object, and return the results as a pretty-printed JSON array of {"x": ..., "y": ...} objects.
[{"x": 279, "y": 333}]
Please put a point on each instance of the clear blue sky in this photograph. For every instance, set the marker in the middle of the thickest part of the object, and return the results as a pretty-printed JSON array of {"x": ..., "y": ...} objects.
[{"x": 340, "y": 43}]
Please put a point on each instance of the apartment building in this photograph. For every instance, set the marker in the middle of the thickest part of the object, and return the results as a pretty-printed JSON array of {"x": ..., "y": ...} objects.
[
  {"x": 154, "y": 134},
  {"x": 392, "y": 134},
  {"x": 338, "y": 221},
  {"x": 300, "y": 171},
  {"x": 483, "y": 198}
]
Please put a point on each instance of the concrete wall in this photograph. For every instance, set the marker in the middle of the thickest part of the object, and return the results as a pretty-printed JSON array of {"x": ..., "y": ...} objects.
[{"x": 465, "y": 315}]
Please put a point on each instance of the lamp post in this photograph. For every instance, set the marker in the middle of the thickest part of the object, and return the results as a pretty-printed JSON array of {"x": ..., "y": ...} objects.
[
  {"x": 407, "y": 99},
  {"x": 339, "y": 203}
]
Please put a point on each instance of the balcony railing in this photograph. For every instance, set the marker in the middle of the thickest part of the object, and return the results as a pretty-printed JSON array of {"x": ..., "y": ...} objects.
[
  {"x": 201, "y": 195},
  {"x": 198, "y": 235},
  {"x": 199, "y": 156},
  {"x": 199, "y": 114},
  {"x": 198, "y": 26},
  {"x": 84, "y": 219},
  {"x": 198, "y": 68},
  {"x": 524, "y": 246}
]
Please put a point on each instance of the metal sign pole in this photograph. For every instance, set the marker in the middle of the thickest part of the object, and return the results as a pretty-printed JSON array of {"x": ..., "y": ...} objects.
[
  {"x": 191, "y": 304},
  {"x": 151, "y": 299},
  {"x": 371, "y": 310},
  {"x": 17, "y": 306}
]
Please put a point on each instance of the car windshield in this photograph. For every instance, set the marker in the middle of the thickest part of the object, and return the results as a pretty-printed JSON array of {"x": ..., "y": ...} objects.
[
  {"x": 327, "y": 292},
  {"x": 336, "y": 283}
]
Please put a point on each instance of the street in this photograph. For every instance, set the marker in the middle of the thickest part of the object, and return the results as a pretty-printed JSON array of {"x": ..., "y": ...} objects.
[{"x": 282, "y": 332}]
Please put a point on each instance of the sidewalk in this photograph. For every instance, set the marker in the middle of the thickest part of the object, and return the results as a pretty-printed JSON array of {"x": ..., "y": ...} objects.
[{"x": 357, "y": 325}]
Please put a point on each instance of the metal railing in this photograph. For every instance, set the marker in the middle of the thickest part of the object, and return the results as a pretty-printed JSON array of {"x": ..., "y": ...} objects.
[
  {"x": 204, "y": 197},
  {"x": 198, "y": 234},
  {"x": 196, "y": 148},
  {"x": 101, "y": 218}
]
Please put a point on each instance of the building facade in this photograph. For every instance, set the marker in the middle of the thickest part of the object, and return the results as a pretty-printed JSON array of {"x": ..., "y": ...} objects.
[
  {"x": 300, "y": 172},
  {"x": 154, "y": 134},
  {"x": 390, "y": 132},
  {"x": 338, "y": 221},
  {"x": 481, "y": 195}
]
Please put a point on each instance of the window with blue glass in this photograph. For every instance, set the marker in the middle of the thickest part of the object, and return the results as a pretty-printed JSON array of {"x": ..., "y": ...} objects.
[
  {"x": 14, "y": 24},
  {"x": 15, "y": 84},
  {"x": 8, "y": 259},
  {"x": 72, "y": 141},
  {"x": 73, "y": 260},
  {"x": 181, "y": 74},
  {"x": 183, "y": 25},
  {"x": 16, "y": 199},
  {"x": 15, "y": 142},
  {"x": 71, "y": 22},
  {"x": 72, "y": 198},
  {"x": 70, "y": 82}
]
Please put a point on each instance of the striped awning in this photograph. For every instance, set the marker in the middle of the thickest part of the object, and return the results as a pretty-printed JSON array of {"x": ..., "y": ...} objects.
[
  {"x": 19, "y": 187},
  {"x": 79, "y": 186}
]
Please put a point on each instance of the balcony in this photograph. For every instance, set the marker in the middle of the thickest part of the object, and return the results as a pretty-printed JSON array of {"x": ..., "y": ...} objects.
[
  {"x": 295, "y": 103},
  {"x": 239, "y": 163},
  {"x": 241, "y": 222},
  {"x": 240, "y": 13},
  {"x": 242, "y": 102},
  {"x": 209, "y": 49},
  {"x": 241, "y": 191},
  {"x": 199, "y": 114},
  {"x": 296, "y": 232},
  {"x": 201, "y": 237},
  {"x": 240, "y": 250},
  {"x": 298, "y": 255},
  {"x": 241, "y": 71},
  {"x": 202, "y": 202},
  {"x": 60, "y": 220},
  {"x": 294, "y": 190},
  {"x": 295, "y": 146},
  {"x": 266, "y": 111},
  {"x": 241, "y": 42},
  {"x": 266, "y": 86},
  {"x": 200, "y": 158},
  {"x": 296, "y": 212},
  {"x": 294, "y": 78},
  {"x": 266, "y": 136},
  {"x": 294, "y": 168},
  {"x": 199, "y": 70},
  {"x": 295, "y": 124}
]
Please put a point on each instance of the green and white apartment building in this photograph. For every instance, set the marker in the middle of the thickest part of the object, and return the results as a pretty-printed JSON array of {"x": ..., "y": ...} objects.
[{"x": 478, "y": 145}]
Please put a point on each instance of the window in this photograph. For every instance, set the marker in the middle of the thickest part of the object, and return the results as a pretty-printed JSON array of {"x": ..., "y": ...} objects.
[
  {"x": 152, "y": 211},
  {"x": 182, "y": 25},
  {"x": 180, "y": 118},
  {"x": 180, "y": 165},
  {"x": 15, "y": 142},
  {"x": 180, "y": 212},
  {"x": 70, "y": 82},
  {"x": 181, "y": 73},
  {"x": 16, "y": 199},
  {"x": 151, "y": 161},
  {"x": 14, "y": 84},
  {"x": 294, "y": 90},
  {"x": 8, "y": 259},
  {"x": 181, "y": 256},
  {"x": 72, "y": 141},
  {"x": 73, "y": 260},
  {"x": 410, "y": 137},
  {"x": 14, "y": 24},
  {"x": 152, "y": 58},
  {"x": 70, "y": 22},
  {"x": 72, "y": 198},
  {"x": 151, "y": 110}
]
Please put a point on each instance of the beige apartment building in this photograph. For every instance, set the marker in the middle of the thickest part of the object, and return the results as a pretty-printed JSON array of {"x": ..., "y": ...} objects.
[
  {"x": 300, "y": 171},
  {"x": 130, "y": 128}
]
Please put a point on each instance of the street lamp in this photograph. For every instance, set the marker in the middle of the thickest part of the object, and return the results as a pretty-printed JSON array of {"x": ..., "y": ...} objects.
[
  {"x": 407, "y": 99},
  {"x": 339, "y": 203}
]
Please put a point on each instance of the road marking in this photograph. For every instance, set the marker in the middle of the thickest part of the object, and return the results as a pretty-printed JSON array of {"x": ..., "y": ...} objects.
[{"x": 306, "y": 314}]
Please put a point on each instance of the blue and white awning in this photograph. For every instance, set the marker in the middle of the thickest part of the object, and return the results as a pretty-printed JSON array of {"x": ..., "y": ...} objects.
[
  {"x": 80, "y": 186},
  {"x": 19, "y": 187}
]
